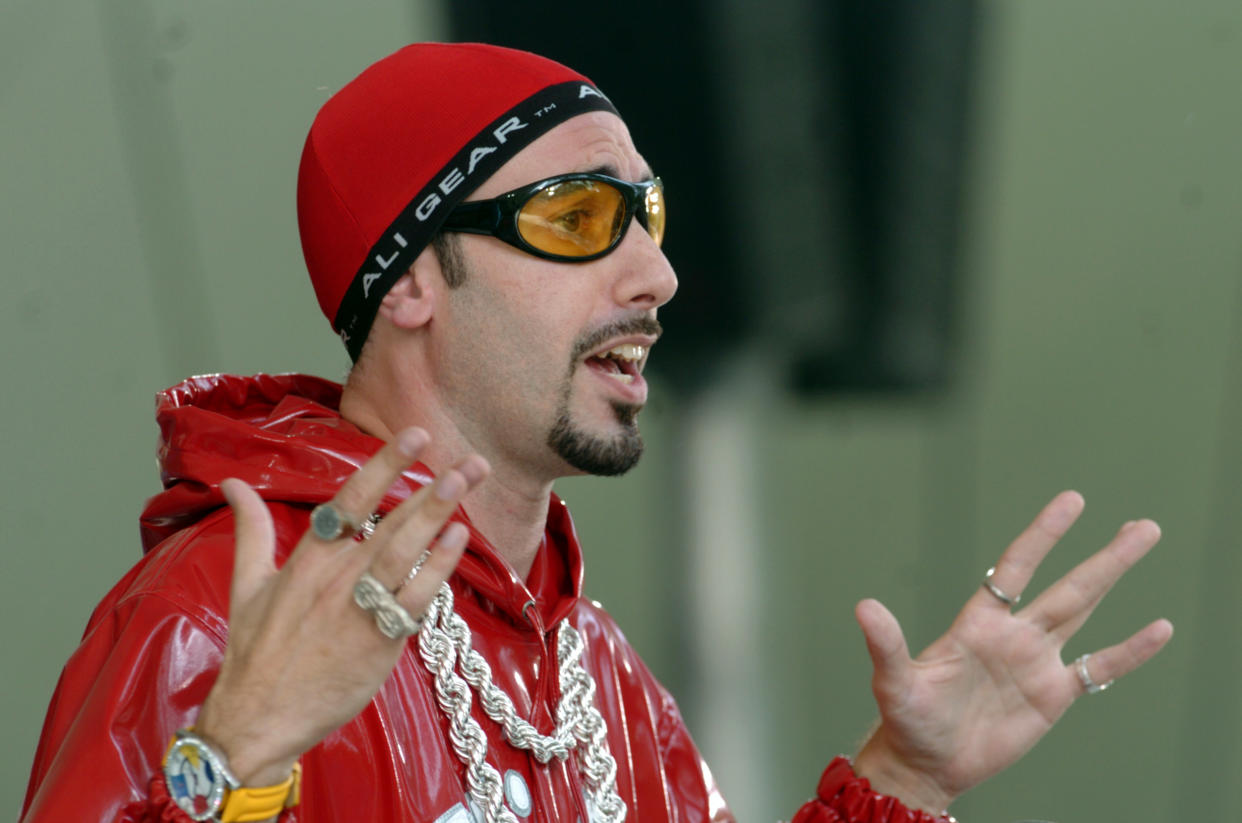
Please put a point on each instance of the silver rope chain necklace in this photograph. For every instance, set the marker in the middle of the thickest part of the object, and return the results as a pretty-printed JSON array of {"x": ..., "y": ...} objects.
[
  {"x": 445, "y": 647},
  {"x": 444, "y": 644}
]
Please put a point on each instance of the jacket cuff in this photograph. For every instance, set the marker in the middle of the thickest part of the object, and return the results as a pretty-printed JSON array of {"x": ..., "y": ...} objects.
[
  {"x": 160, "y": 806},
  {"x": 844, "y": 797}
]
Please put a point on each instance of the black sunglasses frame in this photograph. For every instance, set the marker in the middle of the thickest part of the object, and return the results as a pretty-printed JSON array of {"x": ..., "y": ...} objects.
[{"x": 497, "y": 217}]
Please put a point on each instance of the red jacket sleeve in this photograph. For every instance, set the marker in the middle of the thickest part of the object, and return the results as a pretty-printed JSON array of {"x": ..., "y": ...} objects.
[
  {"x": 149, "y": 656},
  {"x": 699, "y": 798},
  {"x": 140, "y": 674}
]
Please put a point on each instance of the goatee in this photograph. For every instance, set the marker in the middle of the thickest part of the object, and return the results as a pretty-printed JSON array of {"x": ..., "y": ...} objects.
[{"x": 595, "y": 454}]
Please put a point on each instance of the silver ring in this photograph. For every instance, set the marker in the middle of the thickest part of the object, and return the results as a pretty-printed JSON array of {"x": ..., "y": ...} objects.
[
  {"x": 393, "y": 621},
  {"x": 1084, "y": 677},
  {"x": 327, "y": 522},
  {"x": 996, "y": 590}
]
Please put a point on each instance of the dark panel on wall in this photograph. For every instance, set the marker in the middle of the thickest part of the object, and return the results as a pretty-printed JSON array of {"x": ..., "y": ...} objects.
[{"x": 902, "y": 72}]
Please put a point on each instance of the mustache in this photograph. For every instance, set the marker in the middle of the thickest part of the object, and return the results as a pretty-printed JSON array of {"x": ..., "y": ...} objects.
[{"x": 639, "y": 324}]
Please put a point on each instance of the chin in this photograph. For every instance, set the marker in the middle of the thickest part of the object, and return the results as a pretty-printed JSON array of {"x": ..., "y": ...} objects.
[{"x": 607, "y": 454}]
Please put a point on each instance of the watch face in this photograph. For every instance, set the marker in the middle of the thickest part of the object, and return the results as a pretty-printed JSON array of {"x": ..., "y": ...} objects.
[{"x": 193, "y": 781}]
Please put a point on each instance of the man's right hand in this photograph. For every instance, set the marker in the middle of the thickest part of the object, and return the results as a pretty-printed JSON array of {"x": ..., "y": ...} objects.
[{"x": 302, "y": 658}]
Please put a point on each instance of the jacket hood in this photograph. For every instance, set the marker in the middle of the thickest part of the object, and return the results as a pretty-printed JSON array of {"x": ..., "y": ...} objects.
[{"x": 284, "y": 435}]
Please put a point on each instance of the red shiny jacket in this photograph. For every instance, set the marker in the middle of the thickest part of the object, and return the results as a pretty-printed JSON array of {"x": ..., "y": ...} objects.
[{"x": 153, "y": 646}]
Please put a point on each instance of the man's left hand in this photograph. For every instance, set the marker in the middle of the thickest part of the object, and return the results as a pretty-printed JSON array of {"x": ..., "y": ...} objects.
[{"x": 986, "y": 691}]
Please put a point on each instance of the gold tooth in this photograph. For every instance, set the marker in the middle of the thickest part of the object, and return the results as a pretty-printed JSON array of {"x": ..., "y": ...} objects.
[{"x": 614, "y": 353}]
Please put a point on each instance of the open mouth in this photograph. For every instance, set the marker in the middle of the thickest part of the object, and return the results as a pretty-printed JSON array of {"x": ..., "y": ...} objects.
[{"x": 621, "y": 362}]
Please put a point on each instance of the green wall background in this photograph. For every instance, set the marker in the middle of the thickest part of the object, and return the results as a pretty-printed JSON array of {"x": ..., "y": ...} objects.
[{"x": 147, "y": 161}]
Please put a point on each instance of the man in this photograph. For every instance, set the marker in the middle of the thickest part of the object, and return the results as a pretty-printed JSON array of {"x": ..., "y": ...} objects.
[{"x": 485, "y": 237}]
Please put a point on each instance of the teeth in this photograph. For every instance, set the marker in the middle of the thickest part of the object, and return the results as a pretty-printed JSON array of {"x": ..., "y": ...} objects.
[
  {"x": 624, "y": 378},
  {"x": 627, "y": 351}
]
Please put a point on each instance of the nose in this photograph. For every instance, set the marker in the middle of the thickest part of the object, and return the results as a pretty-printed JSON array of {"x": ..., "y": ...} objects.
[{"x": 645, "y": 279}]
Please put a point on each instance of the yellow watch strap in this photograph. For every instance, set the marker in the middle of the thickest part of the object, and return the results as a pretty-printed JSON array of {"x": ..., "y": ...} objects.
[{"x": 249, "y": 804}]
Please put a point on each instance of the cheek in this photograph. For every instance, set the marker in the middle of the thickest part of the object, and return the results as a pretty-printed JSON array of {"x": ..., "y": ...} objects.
[
  {"x": 509, "y": 345},
  {"x": 518, "y": 320}
]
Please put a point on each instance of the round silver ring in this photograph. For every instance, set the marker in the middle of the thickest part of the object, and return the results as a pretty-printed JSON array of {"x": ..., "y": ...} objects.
[
  {"x": 327, "y": 522},
  {"x": 393, "y": 621},
  {"x": 997, "y": 592},
  {"x": 1084, "y": 677}
]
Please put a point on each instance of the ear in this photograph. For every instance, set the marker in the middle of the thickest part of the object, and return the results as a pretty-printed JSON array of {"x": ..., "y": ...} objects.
[{"x": 411, "y": 302}]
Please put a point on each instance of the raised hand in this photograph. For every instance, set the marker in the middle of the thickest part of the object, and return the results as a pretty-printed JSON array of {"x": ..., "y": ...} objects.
[
  {"x": 986, "y": 691},
  {"x": 302, "y": 657}
]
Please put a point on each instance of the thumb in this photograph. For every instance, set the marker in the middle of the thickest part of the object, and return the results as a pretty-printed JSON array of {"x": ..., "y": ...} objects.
[
  {"x": 890, "y": 656},
  {"x": 255, "y": 540}
]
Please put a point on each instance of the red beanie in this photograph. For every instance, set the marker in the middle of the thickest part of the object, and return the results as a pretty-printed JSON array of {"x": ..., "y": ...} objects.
[{"x": 391, "y": 153}]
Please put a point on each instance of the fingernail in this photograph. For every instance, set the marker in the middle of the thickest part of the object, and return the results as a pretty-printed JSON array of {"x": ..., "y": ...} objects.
[
  {"x": 453, "y": 537},
  {"x": 474, "y": 469},
  {"x": 412, "y": 441},
  {"x": 451, "y": 485}
]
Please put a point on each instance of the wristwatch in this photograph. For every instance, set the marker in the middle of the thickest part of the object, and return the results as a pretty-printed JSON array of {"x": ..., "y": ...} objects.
[{"x": 200, "y": 783}]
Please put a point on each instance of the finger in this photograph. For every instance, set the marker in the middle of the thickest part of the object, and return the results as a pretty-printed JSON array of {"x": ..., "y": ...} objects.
[
  {"x": 403, "y": 542},
  {"x": 1067, "y": 604},
  {"x": 254, "y": 538},
  {"x": 1117, "y": 661},
  {"x": 890, "y": 656},
  {"x": 1019, "y": 562},
  {"x": 474, "y": 468},
  {"x": 1076, "y": 615},
  {"x": 364, "y": 489},
  {"x": 416, "y": 594}
]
